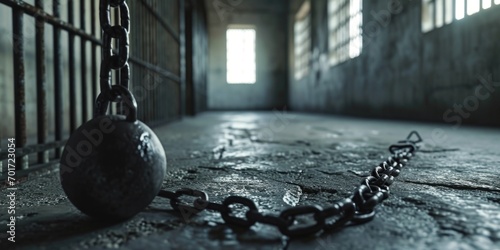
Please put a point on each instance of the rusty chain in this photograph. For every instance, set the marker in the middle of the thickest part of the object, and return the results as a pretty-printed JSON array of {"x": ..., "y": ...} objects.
[
  {"x": 114, "y": 93},
  {"x": 359, "y": 208}
]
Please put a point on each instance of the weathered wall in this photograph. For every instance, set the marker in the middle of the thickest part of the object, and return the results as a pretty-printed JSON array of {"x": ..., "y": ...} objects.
[
  {"x": 269, "y": 91},
  {"x": 402, "y": 72}
]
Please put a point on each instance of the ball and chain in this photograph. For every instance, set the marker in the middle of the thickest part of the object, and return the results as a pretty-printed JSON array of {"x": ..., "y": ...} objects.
[{"x": 113, "y": 166}]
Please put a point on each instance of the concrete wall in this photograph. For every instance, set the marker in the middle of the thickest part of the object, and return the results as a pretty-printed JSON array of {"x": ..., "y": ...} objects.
[
  {"x": 402, "y": 72},
  {"x": 270, "y": 90}
]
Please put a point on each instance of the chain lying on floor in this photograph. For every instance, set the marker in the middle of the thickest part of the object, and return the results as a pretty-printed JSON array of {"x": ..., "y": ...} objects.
[{"x": 359, "y": 208}]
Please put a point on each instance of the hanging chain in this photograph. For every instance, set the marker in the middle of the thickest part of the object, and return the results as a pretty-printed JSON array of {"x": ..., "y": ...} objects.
[
  {"x": 359, "y": 208},
  {"x": 112, "y": 61}
]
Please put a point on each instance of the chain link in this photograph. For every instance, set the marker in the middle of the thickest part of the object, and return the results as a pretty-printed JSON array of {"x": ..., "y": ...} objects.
[
  {"x": 359, "y": 208},
  {"x": 112, "y": 61}
]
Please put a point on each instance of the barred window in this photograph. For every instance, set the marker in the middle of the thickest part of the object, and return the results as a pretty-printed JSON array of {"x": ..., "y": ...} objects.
[
  {"x": 302, "y": 40},
  {"x": 437, "y": 13},
  {"x": 345, "y": 22}
]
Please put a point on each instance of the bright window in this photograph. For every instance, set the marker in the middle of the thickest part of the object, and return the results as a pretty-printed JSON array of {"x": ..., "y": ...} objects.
[
  {"x": 302, "y": 40},
  {"x": 345, "y": 22},
  {"x": 459, "y": 9},
  {"x": 241, "y": 54},
  {"x": 473, "y": 7},
  {"x": 436, "y": 13},
  {"x": 486, "y": 4}
]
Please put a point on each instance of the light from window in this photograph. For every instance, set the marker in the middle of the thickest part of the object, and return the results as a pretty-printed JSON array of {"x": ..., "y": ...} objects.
[
  {"x": 345, "y": 22},
  {"x": 240, "y": 55},
  {"x": 427, "y": 18},
  {"x": 459, "y": 9},
  {"x": 355, "y": 22},
  {"x": 486, "y": 4},
  {"x": 436, "y": 13},
  {"x": 473, "y": 7},
  {"x": 302, "y": 40}
]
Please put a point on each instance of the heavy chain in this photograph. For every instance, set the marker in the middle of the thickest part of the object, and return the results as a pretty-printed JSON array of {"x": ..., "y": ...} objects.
[
  {"x": 359, "y": 208},
  {"x": 113, "y": 93}
]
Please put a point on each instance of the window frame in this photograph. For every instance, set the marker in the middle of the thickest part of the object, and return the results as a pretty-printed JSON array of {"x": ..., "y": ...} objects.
[
  {"x": 302, "y": 40},
  {"x": 345, "y": 30},
  {"x": 451, "y": 11}
]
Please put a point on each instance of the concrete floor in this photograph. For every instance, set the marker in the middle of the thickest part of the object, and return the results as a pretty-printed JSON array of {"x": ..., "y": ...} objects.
[{"x": 448, "y": 196}]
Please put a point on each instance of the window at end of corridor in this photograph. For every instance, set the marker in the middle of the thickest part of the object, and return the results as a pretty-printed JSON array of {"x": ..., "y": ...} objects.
[{"x": 240, "y": 58}]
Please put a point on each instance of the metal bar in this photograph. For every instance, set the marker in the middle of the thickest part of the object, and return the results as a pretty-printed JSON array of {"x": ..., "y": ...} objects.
[
  {"x": 140, "y": 53},
  {"x": 155, "y": 68},
  {"x": 163, "y": 96},
  {"x": 163, "y": 23},
  {"x": 33, "y": 11},
  {"x": 434, "y": 14},
  {"x": 19, "y": 88},
  {"x": 58, "y": 23},
  {"x": 72, "y": 83},
  {"x": 453, "y": 18},
  {"x": 58, "y": 96},
  {"x": 150, "y": 50},
  {"x": 465, "y": 8},
  {"x": 145, "y": 48},
  {"x": 83, "y": 64},
  {"x": 182, "y": 58},
  {"x": 190, "y": 26},
  {"x": 443, "y": 10},
  {"x": 41, "y": 87},
  {"x": 94, "y": 61}
]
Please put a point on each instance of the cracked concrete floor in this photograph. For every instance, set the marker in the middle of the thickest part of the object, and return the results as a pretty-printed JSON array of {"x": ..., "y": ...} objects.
[{"x": 448, "y": 196}]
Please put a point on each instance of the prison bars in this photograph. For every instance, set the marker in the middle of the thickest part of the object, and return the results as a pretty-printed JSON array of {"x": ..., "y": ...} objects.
[{"x": 42, "y": 148}]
